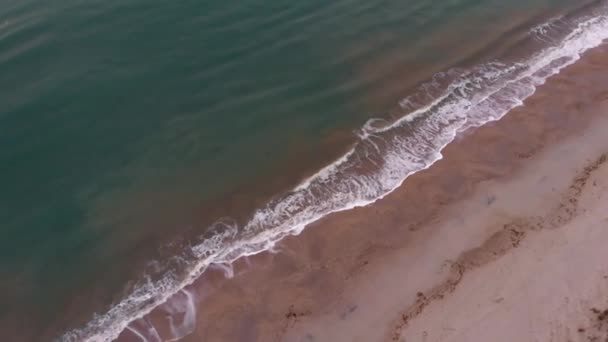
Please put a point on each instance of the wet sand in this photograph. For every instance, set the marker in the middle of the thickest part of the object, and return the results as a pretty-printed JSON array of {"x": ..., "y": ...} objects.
[{"x": 511, "y": 219}]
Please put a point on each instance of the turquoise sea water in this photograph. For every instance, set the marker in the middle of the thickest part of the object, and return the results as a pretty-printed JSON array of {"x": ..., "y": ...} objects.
[{"x": 127, "y": 128}]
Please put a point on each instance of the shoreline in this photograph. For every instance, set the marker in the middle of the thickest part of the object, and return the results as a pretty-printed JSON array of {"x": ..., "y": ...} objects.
[
  {"x": 314, "y": 223},
  {"x": 321, "y": 278},
  {"x": 222, "y": 209},
  {"x": 399, "y": 284}
]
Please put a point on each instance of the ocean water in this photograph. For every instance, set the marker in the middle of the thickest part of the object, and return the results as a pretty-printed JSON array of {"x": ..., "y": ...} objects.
[{"x": 142, "y": 142}]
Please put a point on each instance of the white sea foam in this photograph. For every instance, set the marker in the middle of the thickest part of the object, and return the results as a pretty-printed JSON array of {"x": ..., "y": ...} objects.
[
  {"x": 325, "y": 172},
  {"x": 183, "y": 304},
  {"x": 138, "y": 334},
  {"x": 543, "y": 29},
  {"x": 472, "y": 99},
  {"x": 149, "y": 334},
  {"x": 227, "y": 269}
]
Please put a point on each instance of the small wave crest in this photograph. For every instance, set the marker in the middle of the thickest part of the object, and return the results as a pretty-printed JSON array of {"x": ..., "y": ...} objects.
[{"x": 383, "y": 157}]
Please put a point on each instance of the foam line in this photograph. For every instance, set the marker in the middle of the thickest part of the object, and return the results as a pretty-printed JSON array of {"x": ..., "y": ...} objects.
[
  {"x": 184, "y": 306},
  {"x": 472, "y": 98},
  {"x": 134, "y": 331}
]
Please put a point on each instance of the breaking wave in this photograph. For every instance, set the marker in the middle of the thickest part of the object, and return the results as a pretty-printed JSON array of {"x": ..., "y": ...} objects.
[{"x": 386, "y": 153}]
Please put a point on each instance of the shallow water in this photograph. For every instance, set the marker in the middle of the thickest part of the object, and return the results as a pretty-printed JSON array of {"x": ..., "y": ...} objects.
[{"x": 127, "y": 129}]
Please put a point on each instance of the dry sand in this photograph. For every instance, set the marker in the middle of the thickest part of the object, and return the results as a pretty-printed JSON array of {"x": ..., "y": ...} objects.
[
  {"x": 502, "y": 240},
  {"x": 542, "y": 278}
]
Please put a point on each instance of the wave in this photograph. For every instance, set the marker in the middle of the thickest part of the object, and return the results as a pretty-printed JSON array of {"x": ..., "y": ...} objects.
[{"x": 385, "y": 154}]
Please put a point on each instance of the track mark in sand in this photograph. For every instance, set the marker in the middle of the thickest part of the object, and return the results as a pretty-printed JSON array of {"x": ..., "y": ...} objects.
[
  {"x": 423, "y": 300},
  {"x": 597, "y": 329},
  {"x": 292, "y": 316},
  {"x": 499, "y": 244},
  {"x": 568, "y": 206}
]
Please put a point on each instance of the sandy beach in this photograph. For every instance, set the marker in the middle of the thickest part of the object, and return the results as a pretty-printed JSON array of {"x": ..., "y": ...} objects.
[
  {"x": 502, "y": 240},
  {"x": 543, "y": 277},
  {"x": 304, "y": 171}
]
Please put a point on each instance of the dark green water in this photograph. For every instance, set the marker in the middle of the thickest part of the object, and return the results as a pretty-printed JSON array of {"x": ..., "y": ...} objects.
[{"x": 125, "y": 125}]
